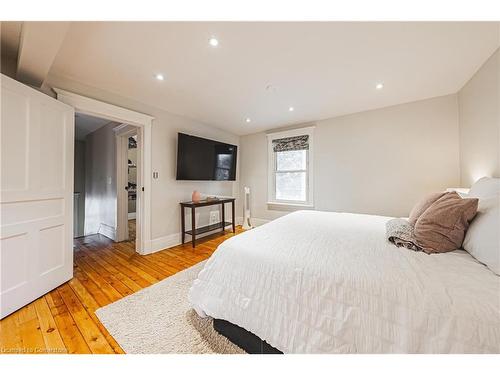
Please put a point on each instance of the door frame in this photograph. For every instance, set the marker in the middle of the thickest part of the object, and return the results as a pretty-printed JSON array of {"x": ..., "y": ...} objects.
[
  {"x": 144, "y": 123},
  {"x": 122, "y": 133}
]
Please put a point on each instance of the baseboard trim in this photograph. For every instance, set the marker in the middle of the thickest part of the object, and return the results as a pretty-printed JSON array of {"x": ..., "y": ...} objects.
[
  {"x": 131, "y": 215},
  {"x": 107, "y": 231},
  {"x": 256, "y": 222},
  {"x": 165, "y": 242},
  {"x": 171, "y": 240}
]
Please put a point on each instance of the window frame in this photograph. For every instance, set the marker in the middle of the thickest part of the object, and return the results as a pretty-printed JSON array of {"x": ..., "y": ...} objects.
[{"x": 272, "y": 171}]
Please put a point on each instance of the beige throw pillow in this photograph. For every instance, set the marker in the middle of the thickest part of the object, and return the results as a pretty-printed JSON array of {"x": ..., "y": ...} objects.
[
  {"x": 423, "y": 205},
  {"x": 442, "y": 226}
]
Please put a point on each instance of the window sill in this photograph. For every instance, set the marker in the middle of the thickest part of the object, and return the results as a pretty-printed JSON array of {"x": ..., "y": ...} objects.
[{"x": 282, "y": 206}]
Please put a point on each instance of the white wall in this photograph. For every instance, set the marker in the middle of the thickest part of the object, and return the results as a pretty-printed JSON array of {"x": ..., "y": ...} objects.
[
  {"x": 166, "y": 191},
  {"x": 376, "y": 162},
  {"x": 479, "y": 102},
  {"x": 100, "y": 181}
]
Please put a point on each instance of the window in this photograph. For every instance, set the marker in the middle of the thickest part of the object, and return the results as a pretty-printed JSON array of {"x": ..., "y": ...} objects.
[{"x": 290, "y": 167}]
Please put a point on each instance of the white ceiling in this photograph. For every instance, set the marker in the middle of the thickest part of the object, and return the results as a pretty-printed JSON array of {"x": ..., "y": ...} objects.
[
  {"x": 322, "y": 69},
  {"x": 86, "y": 124}
]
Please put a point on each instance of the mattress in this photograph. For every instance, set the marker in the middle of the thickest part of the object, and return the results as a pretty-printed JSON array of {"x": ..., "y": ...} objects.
[{"x": 323, "y": 282}]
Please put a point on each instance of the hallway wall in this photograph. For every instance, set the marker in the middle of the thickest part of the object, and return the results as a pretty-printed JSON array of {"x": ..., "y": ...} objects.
[{"x": 100, "y": 182}]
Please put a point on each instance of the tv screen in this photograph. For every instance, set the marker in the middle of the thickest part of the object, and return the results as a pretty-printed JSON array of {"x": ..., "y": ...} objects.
[{"x": 205, "y": 159}]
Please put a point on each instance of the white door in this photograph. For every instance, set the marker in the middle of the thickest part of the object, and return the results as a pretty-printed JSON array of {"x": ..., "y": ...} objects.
[{"x": 36, "y": 194}]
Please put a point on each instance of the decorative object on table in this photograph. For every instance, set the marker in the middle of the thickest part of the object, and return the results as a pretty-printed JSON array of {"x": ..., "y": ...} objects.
[
  {"x": 246, "y": 210},
  {"x": 211, "y": 199},
  {"x": 196, "y": 197}
]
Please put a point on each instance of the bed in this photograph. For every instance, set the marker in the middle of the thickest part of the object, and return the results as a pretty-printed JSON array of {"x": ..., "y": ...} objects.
[{"x": 325, "y": 282}]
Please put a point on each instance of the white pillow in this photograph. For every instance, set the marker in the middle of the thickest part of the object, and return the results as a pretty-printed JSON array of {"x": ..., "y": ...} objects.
[
  {"x": 482, "y": 239},
  {"x": 485, "y": 187}
]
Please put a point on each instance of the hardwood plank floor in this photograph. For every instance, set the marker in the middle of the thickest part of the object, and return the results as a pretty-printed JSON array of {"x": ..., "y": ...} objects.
[{"x": 64, "y": 320}]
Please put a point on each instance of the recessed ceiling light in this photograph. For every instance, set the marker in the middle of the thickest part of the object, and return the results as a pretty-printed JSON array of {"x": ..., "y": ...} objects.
[
  {"x": 247, "y": 119},
  {"x": 213, "y": 42},
  {"x": 159, "y": 77},
  {"x": 291, "y": 109},
  {"x": 379, "y": 86}
]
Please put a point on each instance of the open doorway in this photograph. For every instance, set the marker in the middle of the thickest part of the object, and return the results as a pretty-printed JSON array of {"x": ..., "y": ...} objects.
[
  {"x": 142, "y": 124},
  {"x": 108, "y": 172},
  {"x": 94, "y": 177}
]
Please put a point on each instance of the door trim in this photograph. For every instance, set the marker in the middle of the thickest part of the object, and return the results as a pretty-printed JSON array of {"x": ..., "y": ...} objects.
[{"x": 144, "y": 122}]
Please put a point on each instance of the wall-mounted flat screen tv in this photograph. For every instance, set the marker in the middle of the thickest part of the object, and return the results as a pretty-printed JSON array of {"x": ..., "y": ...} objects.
[{"x": 204, "y": 159}]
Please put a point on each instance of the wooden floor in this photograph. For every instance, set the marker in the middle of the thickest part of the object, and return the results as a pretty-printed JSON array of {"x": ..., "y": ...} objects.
[{"x": 63, "y": 320}]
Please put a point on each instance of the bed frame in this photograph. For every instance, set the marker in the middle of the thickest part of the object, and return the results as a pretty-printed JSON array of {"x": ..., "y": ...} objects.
[{"x": 246, "y": 340}]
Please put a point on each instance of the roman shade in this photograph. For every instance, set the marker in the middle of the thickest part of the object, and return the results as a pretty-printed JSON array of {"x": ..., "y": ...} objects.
[{"x": 300, "y": 142}]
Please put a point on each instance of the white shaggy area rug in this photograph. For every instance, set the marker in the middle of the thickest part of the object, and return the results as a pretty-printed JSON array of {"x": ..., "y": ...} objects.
[{"x": 159, "y": 319}]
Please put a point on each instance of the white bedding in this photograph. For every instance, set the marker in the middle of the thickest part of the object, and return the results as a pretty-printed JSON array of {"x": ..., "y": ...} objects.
[{"x": 322, "y": 282}]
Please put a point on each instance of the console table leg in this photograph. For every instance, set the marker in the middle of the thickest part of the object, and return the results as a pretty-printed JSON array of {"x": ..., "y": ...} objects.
[
  {"x": 223, "y": 214},
  {"x": 183, "y": 224},
  {"x": 233, "y": 218},
  {"x": 193, "y": 227}
]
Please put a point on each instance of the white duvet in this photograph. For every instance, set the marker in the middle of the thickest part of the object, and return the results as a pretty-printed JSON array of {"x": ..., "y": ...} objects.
[{"x": 322, "y": 282}]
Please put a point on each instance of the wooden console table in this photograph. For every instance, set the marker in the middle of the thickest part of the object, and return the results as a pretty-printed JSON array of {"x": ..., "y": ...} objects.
[{"x": 193, "y": 206}]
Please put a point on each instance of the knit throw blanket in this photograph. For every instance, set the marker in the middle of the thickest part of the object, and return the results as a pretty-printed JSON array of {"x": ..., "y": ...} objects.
[{"x": 400, "y": 233}]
